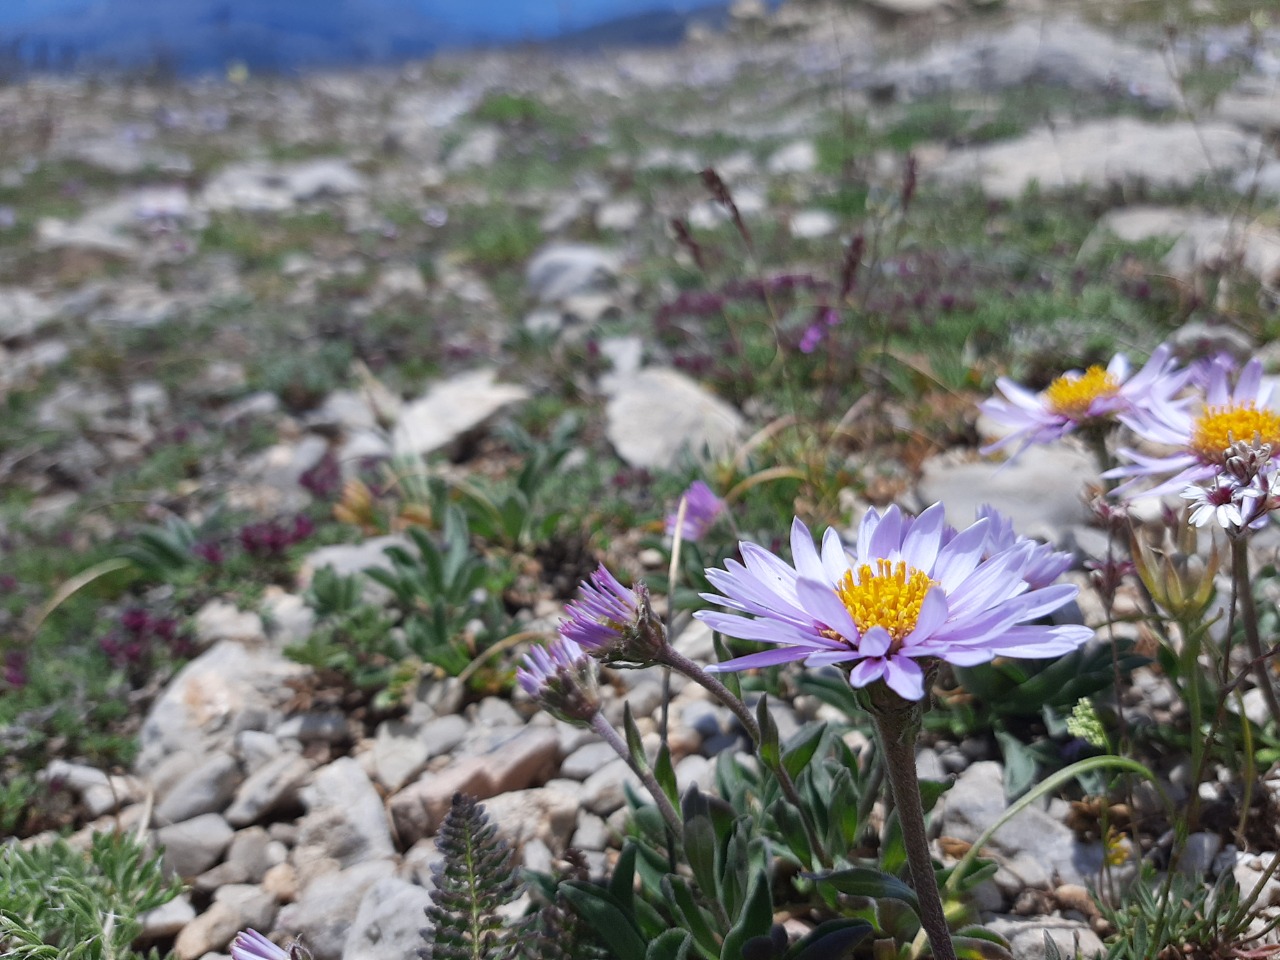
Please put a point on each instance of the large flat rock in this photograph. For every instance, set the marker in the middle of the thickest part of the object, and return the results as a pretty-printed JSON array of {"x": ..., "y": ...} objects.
[
  {"x": 658, "y": 415},
  {"x": 1119, "y": 151}
]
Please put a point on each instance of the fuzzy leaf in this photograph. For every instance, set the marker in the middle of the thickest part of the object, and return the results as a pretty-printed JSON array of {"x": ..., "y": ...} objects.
[
  {"x": 865, "y": 882},
  {"x": 606, "y": 917},
  {"x": 755, "y": 920},
  {"x": 670, "y": 945},
  {"x": 831, "y": 940},
  {"x": 801, "y": 748}
]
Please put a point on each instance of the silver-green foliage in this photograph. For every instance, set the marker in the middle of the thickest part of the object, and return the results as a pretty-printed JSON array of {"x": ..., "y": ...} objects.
[{"x": 60, "y": 902}]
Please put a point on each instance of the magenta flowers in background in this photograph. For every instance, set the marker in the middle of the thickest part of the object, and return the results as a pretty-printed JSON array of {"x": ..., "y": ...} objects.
[{"x": 903, "y": 596}]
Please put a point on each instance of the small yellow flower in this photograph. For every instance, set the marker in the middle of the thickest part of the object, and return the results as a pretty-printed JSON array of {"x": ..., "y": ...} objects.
[{"x": 1118, "y": 846}]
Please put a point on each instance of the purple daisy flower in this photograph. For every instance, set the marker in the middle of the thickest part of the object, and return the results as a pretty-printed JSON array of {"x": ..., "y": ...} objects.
[
  {"x": 1044, "y": 564},
  {"x": 613, "y": 623},
  {"x": 251, "y": 945},
  {"x": 562, "y": 678},
  {"x": 702, "y": 509},
  {"x": 1082, "y": 397},
  {"x": 1203, "y": 437},
  {"x": 904, "y": 596}
]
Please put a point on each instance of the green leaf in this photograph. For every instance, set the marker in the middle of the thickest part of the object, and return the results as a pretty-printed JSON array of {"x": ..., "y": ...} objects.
[
  {"x": 670, "y": 945},
  {"x": 696, "y": 920},
  {"x": 635, "y": 745},
  {"x": 1020, "y": 765},
  {"x": 622, "y": 883},
  {"x": 801, "y": 748},
  {"x": 865, "y": 882},
  {"x": 603, "y": 914},
  {"x": 665, "y": 774},
  {"x": 755, "y": 920},
  {"x": 700, "y": 843},
  {"x": 976, "y": 948},
  {"x": 769, "y": 750},
  {"x": 831, "y": 940}
]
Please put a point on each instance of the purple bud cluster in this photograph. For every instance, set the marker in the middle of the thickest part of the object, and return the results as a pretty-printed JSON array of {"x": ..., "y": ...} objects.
[
  {"x": 269, "y": 539},
  {"x": 138, "y": 636}
]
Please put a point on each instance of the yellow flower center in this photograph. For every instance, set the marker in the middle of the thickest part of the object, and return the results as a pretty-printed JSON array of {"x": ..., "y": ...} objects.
[
  {"x": 1072, "y": 393},
  {"x": 888, "y": 595},
  {"x": 1219, "y": 427}
]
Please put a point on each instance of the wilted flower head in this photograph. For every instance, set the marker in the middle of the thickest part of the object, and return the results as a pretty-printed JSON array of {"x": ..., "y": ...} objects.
[
  {"x": 562, "y": 678},
  {"x": 1078, "y": 398},
  {"x": 907, "y": 594},
  {"x": 1177, "y": 575},
  {"x": 251, "y": 945},
  {"x": 613, "y": 623},
  {"x": 702, "y": 509},
  {"x": 1203, "y": 438}
]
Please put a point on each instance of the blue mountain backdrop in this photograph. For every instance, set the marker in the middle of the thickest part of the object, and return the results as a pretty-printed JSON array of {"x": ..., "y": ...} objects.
[{"x": 193, "y": 36}]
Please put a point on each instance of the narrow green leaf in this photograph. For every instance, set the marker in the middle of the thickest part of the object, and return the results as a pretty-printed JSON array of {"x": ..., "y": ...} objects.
[
  {"x": 754, "y": 920},
  {"x": 801, "y": 748},
  {"x": 769, "y": 749},
  {"x": 865, "y": 882},
  {"x": 831, "y": 940},
  {"x": 665, "y": 774},
  {"x": 696, "y": 920},
  {"x": 670, "y": 945},
  {"x": 598, "y": 909},
  {"x": 622, "y": 883},
  {"x": 634, "y": 744}
]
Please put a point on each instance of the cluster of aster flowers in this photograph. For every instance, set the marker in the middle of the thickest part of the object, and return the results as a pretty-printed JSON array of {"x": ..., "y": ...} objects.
[{"x": 1220, "y": 438}]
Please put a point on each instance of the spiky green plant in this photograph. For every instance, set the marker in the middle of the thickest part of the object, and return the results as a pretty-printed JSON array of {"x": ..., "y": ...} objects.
[{"x": 60, "y": 902}]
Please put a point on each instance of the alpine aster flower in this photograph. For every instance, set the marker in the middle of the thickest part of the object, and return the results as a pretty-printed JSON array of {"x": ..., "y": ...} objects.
[
  {"x": 1202, "y": 439},
  {"x": 251, "y": 945},
  {"x": 562, "y": 678},
  {"x": 702, "y": 509},
  {"x": 906, "y": 594},
  {"x": 612, "y": 623},
  {"x": 1079, "y": 398},
  {"x": 1044, "y": 564}
]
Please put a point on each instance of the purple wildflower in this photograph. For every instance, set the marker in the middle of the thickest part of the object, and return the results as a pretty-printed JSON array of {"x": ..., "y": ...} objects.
[
  {"x": 15, "y": 669},
  {"x": 1079, "y": 398},
  {"x": 904, "y": 596},
  {"x": 1044, "y": 564},
  {"x": 251, "y": 945},
  {"x": 1202, "y": 438},
  {"x": 702, "y": 510},
  {"x": 613, "y": 623},
  {"x": 562, "y": 678}
]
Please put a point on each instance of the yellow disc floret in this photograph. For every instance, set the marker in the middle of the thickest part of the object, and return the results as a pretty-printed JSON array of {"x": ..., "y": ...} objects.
[
  {"x": 1072, "y": 394},
  {"x": 887, "y": 595},
  {"x": 1219, "y": 427}
]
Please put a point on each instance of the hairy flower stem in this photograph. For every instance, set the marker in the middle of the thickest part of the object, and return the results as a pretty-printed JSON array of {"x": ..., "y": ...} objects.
[
  {"x": 610, "y": 736},
  {"x": 677, "y": 661},
  {"x": 1249, "y": 620},
  {"x": 896, "y": 727}
]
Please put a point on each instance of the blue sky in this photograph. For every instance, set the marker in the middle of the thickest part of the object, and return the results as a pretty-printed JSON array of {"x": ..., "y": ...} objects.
[{"x": 478, "y": 16}]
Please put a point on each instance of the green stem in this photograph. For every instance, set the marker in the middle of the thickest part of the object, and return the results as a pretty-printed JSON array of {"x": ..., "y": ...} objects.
[
  {"x": 897, "y": 729},
  {"x": 1249, "y": 620},
  {"x": 1190, "y": 668},
  {"x": 610, "y": 736},
  {"x": 708, "y": 681}
]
